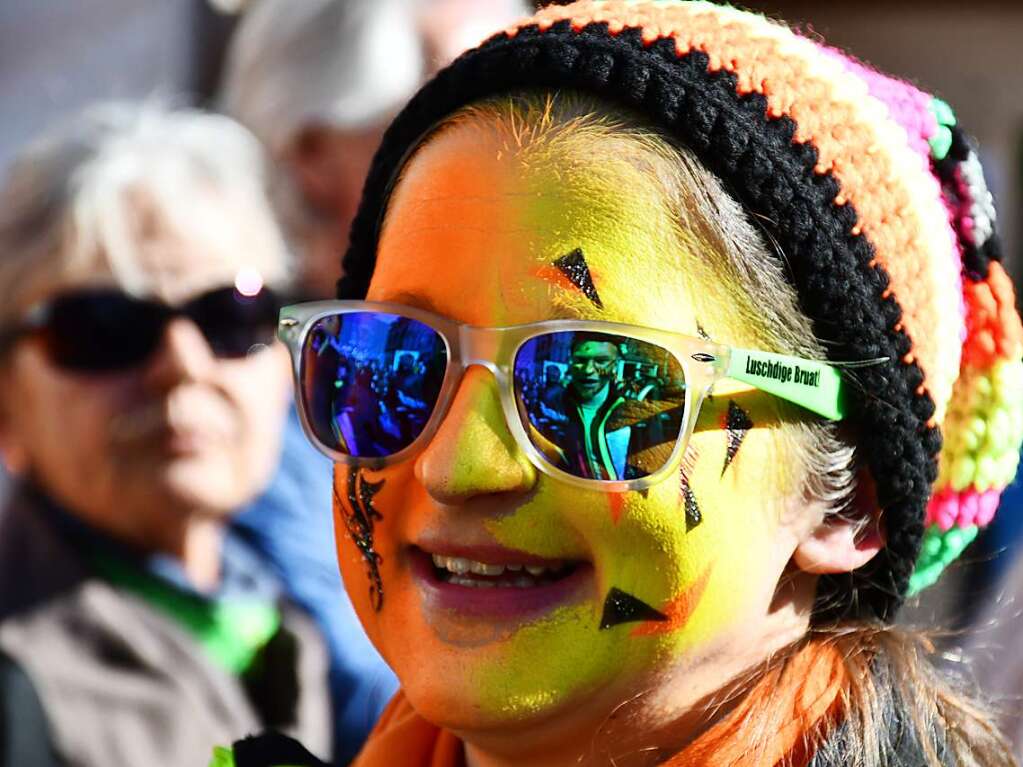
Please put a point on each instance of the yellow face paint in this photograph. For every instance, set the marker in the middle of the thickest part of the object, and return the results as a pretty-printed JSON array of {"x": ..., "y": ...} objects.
[{"x": 474, "y": 232}]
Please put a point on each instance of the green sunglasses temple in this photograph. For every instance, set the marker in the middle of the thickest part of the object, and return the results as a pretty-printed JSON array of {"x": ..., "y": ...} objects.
[{"x": 816, "y": 386}]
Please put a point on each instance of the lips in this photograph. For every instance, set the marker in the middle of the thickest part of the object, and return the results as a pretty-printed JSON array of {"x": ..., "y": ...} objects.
[{"x": 498, "y": 583}]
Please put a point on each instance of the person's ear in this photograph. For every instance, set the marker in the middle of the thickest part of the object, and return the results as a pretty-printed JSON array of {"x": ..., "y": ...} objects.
[
  {"x": 839, "y": 545},
  {"x": 842, "y": 543}
]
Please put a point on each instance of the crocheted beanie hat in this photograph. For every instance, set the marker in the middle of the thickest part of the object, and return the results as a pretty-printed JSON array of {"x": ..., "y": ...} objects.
[{"x": 878, "y": 202}]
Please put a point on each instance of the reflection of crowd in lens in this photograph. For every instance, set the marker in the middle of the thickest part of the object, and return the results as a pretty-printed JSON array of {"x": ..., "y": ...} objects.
[
  {"x": 585, "y": 405},
  {"x": 380, "y": 402}
]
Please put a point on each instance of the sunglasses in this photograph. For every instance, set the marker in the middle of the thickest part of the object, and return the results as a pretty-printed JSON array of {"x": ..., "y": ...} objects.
[
  {"x": 108, "y": 331},
  {"x": 587, "y": 401}
]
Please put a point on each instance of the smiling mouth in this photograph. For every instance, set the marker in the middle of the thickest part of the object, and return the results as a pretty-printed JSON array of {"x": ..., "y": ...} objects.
[
  {"x": 480, "y": 575},
  {"x": 498, "y": 584}
]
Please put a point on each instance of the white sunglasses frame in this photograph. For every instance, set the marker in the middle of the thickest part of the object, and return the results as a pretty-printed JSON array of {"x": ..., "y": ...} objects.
[{"x": 703, "y": 364}]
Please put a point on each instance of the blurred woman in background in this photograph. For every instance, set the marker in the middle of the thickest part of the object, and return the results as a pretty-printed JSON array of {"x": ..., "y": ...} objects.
[{"x": 142, "y": 398}]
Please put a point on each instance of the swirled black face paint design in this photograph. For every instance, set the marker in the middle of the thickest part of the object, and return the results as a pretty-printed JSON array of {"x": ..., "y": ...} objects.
[
  {"x": 737, "y": 424},
  {"x": 574, "y": 267},
  {"x": 620, "y": 607},
  {"x": 359, "y": 516}
]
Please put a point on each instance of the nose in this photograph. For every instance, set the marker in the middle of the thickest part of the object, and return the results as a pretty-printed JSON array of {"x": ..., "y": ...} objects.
[
  {"x": 473, "y": 453},
  {"x": 183, "y": 355}
]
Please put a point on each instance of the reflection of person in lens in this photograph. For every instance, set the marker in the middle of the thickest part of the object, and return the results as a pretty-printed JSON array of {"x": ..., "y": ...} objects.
[{"x": 593, "y": 396}]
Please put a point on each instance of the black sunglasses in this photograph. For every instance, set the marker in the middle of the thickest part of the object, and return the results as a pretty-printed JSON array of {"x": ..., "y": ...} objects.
[{"x": 107, "y": 330}]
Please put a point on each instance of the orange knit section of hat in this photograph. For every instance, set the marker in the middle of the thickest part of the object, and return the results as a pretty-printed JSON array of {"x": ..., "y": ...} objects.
[
  {"x": 897, "y": 199},
  {"x": 993, "y": 328}
]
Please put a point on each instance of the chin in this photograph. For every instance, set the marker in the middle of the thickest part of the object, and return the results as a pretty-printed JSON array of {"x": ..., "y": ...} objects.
[
  {"x": 458, "y": 705},
  {"x": 495, "y": 680},
  {"x": 214, "y": 487}
]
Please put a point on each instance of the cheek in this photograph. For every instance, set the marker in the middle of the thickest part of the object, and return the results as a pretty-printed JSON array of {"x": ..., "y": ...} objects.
[
  {"x": 677, "y": 565},
  {"x": 60, "y": 432},
  {"x": 648, "y": 583},
  {"x": 257, "y": 391},
  {"x": 739, "y": 487},
  {"x": 64, "y": 423}
]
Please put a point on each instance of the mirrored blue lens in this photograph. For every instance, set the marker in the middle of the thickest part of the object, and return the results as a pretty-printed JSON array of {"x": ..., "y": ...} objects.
[
  {"x": 600, "y": 406},
  {"x": 370, "y": 381}
]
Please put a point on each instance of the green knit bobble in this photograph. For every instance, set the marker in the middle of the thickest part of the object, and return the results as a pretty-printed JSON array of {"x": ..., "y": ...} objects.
[
  {"x": 937, "y": 551},
  {"x": 941, "y": 141},
  {"x": 974, "y": 433}
]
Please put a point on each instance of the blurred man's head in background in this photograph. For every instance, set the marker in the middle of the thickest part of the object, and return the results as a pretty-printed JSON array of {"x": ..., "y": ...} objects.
[
  {"x": 594, "y": 359},
  {"x": 140, "y": 383},
  {"x": 318, "y": 80}
]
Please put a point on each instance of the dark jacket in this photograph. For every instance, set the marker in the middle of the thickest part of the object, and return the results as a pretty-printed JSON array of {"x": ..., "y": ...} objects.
[
  {"x": 93, "y": 675},
  {"x": 577, "y": 438}
]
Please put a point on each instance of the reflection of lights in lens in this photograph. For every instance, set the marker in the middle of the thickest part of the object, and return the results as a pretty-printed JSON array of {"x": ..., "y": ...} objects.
[{"x": 248, "y": 282}]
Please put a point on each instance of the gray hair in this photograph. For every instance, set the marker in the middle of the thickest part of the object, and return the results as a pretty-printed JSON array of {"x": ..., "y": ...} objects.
[{"x": 71, "y": 197}]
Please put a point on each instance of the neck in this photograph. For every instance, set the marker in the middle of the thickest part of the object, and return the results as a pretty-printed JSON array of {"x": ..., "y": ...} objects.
[
  {"x": 199, "y": 549},
  {"x": 195, "y": 539},
  {"x": 193, "y": 536}
]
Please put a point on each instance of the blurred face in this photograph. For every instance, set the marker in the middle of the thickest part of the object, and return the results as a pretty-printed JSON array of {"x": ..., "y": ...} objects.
[
  {"x": 514, "y": 605},
  {"x": 593, "y": 364},
  {"x": 138, "y": 451},
  {"x": 329, "y": 166}
]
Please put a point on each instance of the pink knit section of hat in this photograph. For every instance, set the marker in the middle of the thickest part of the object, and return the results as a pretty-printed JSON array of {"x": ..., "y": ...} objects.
[
  {"x": 912, "y": 109},
  {"x": 950, "y": 508}
]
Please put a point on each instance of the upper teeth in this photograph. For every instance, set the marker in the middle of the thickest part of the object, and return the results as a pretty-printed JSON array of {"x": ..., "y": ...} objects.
[{"x": 460, "y": 566}]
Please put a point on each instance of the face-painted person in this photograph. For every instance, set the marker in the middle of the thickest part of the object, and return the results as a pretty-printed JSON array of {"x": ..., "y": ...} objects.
[
  {"x": 800, "y": 252},
  {"x": 142, "y": 396}
]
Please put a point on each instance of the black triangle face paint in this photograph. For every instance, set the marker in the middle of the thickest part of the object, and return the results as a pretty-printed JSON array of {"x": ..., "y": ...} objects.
[
  {"x": 693, "y": 515},
  {"x": 620, "y": 607},
  {"x": 738, "y": 424},
  {"x": 575, "y": 268}
]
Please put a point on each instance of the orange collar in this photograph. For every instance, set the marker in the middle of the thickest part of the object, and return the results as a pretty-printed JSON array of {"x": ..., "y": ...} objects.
[{"x": 403, "y": 737}]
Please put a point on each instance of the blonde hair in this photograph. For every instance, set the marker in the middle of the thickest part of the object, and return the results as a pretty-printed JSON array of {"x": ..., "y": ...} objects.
[{"x": 890, "y": 670}]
